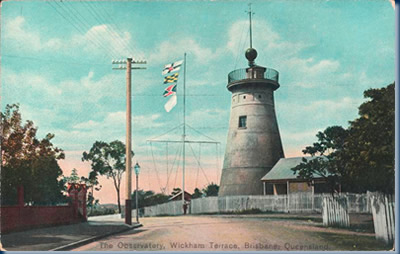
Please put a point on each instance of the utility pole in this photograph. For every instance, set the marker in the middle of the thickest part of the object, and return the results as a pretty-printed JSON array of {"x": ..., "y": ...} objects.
[{"x": 127, "y": 64}]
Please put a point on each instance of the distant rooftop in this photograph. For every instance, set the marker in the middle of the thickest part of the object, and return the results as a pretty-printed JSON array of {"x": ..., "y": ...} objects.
[{"x": 179, "y": 194}]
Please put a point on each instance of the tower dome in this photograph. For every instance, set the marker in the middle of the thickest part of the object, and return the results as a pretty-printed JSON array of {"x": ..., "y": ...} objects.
[{"x": 251, "y": 55}]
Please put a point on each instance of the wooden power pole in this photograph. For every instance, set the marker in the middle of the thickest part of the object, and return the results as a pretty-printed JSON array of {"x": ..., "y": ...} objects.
[{"x": 128, "y": 160}]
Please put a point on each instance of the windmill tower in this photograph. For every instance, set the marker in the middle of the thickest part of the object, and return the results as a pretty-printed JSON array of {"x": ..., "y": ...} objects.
[{"x": 254, "y": 143}]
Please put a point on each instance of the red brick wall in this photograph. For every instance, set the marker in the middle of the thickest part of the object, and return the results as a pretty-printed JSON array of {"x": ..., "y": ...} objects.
[{"x": 14, "y": 218}]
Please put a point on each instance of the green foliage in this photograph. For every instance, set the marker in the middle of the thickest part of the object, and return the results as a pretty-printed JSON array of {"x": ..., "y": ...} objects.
[
  {"x": 148, "y": 198},
  {"x": 211, "y": 190},
  {"x": 108, "y": 159},
  {"x": 92, "y": 184},
  {"x": 28, "y": 161},
  {"x": 197, "y": 194},
  {"x": 73, "y": 178},
  {"x": 361, "y": 157},
  {"x": 156, "y": 199},
  {"x": 324, "y": 162},
  {"x": 369, "y": 152},
  {"x": 175, "y": 191},
  {"x": 101, "y": 211}
]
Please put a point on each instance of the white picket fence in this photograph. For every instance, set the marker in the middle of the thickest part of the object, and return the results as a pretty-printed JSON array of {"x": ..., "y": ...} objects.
[
  {"x": 292, "y": 203},
  {"x": 383, "y": 214},
  {"x": 170, "y": 208},
  {"x": 335, "y": 211}
]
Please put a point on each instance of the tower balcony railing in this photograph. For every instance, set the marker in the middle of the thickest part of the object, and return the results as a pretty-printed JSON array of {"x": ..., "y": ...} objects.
[{"x": 241, "y": 74}]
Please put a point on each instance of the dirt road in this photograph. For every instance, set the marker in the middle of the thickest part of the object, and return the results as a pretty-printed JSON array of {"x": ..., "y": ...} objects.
[{"x": 235, "y": 233}]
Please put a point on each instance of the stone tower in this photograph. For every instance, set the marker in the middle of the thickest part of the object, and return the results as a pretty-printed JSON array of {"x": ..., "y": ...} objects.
[{"x": 254, "y": 143}]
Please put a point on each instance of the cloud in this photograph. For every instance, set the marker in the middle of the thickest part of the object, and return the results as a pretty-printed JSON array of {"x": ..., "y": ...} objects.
[
  {"x": 29, "y": 83},
  {"x": 208, "y": 119},
  {"x": 72, "y": 92},
  {"x": 114, "y": 119},
  {"x": 299, "y": 135},
  {"x": 267, "y": 40},
  {"x": 284, "y": 55},
  {"x": 111, "y": 127},
  {"x": 318, "y": 114},
  {"x": 308, "y": 73},
  {"x": 89, "y": 125},
  {"x": 91, "y": 88},
  {"x": 97, "y": 39},
  {"x": 101, "y": 37},
  {"x": 17, "y": 31},
  {"x": 169, "y": 50}
]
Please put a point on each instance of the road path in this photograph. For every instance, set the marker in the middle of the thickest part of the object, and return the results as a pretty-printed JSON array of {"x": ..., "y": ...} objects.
[{"x": 235, "y": 233}]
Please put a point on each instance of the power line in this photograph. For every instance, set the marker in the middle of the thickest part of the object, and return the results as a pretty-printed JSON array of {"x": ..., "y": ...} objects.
[
  {"x": 94, "y": 14},
  {"x": 114, "y": 27},
  {"x": 85, "y": 24},
  {"x": 70, "y": 20},
  {"x": 48, "y": 60}
]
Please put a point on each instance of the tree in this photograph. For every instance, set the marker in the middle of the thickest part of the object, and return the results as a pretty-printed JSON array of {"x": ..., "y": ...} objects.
[
  {"x": 211, "y": 190},
  {"x": 92, "y": 184},
  {"x": 142, "y": 198},
  {"x": 175, "y": 191},
  {"x": 324, "y": 158},
  {"x": 28, "y": 161},
  {"x": 108, "y": 159},
  {"x": 369, "y": 151},
  {"x": 361, "y": 157},
  {"x": 156, "y": 199},
  {"x": 73, "y": 178},
  {"x": 197, "y": 194},
  {"x": 149, "y": 198}
]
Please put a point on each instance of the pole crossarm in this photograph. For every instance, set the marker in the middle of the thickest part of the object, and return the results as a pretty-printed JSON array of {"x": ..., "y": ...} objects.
[
  {"x": 186, "y": 141},
  {"x": 132, "y": 68},
  {"x": 131, "y": 60}
]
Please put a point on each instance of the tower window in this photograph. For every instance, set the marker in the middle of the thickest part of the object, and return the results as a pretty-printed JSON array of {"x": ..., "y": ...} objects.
[
  {"x": 244, "y": 97},
  {"x": 242, "y": 121},
  {"x": 259, "y": 96}
]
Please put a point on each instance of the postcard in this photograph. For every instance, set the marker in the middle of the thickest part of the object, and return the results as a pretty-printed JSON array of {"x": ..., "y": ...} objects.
[{"x": 198, "y": 125}]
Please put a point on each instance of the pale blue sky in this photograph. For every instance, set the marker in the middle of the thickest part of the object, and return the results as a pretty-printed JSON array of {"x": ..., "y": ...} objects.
[{"x": 327, "y": 54}]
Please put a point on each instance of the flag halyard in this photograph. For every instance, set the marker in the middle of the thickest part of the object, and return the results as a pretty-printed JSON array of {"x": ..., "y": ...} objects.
[{"x": 170, "y": 91}]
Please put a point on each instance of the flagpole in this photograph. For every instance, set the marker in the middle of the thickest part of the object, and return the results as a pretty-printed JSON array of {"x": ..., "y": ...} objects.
[{"x": 184, "y": 132}]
